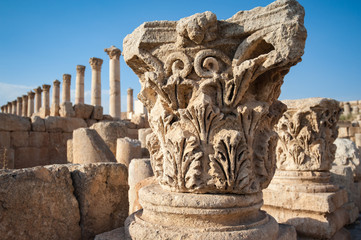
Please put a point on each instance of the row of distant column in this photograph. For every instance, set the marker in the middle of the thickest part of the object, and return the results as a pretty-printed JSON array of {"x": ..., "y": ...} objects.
[{"x": 24, "y": 106}]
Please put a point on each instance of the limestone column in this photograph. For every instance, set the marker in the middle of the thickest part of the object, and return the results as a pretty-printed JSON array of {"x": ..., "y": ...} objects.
[
  {"x": 305, "y": 153},
  {"x": 55, "y": 105},
  {"x": 213, "y": 144},
  {"x": 96, "y": 88},
  {"x": 14, "y": 107},
  {"x": 19, "y": 106},
  {"x": 45, "y": 109},
  {"x": 346, "y": 108},
  {"x": 128, "y": 149},
  {"x": 30, "y": 103},
  {"x": 114, "y": 82},
  {"x": 66, "y": 88},
  {"x": 139, "y": 169},
  {"x": 9, "y": 108},
  {"x": 2, "y": 109},
  {"x": 130, "y": 103},
  {"x": 25, "y": 106},
  {"x": 38, "y": 92},
  {"x": 79, "y": 85}
]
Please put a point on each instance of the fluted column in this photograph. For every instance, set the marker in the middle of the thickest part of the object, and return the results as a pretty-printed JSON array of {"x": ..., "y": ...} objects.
[
  {"x": 24, "y": 112},
  {"x": 46, "y": 100},
  {"x": 31, "y": 96},
  {"x": 38, "y": 92},
  {"x": 96, "y": 65},
  {"x": 114, "y": 81},
  {"x": 79, "y": 85},
  {"x": 19, "y": 106},
  {"x": 55, "y": 105},
  {"x": 129, "y": 102}
]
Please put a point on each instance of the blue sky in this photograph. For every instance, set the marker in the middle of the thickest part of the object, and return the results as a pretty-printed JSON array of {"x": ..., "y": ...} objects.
[{"x": 41, "y": 40}]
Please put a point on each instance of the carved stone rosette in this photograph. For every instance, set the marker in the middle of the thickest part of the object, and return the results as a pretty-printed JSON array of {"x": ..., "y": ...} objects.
[{"x": 211, "y": 89}]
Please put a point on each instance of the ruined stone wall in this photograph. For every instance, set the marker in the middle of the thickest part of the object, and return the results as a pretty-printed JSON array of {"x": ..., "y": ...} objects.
[
  {"x": 35, "y": 141},
  {"x": 70, "y": 201}
]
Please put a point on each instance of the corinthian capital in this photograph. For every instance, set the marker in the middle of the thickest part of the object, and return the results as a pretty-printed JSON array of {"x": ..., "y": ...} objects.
[
  {"x": 66, "y": 78},
  {"x": 211, "y": 89},
  {"x": 96, "y": 63},
  {"x": 46, "y": 87},
  {"x": 80, "y": 69},
  {"x": 306, "y": 135},
  {"x": 113, "y": 52}
]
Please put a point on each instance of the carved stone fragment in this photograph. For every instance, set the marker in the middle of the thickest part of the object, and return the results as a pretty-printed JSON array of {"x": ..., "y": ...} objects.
[
  {"x": 301, "y": 193},
  {"x": 210, "y": 87},
  {"x": 207, "y": 84}
]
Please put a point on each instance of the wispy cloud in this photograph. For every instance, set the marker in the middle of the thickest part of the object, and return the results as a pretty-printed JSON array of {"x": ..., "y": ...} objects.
[{"x": 9, "y": 92}]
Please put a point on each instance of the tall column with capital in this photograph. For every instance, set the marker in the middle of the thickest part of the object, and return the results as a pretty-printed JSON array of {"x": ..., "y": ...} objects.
[
  {"x": 14, "y": 107},
  {"x": 114, "y": 81},
  {"x": 79, "y": 84},
  {"x": 24, "y": 112},
  {"x": 45, "y": 109},
  {"x": 130, "y": 102},
  {"x": 66, "y": 88},
  {"x": 19, "y": 106},
  {"x": 38, "y": 92},
  {"x": 55, "y": 99},
  {"x": 31, "y": 95},
  {"x": 96, "y": 64}
]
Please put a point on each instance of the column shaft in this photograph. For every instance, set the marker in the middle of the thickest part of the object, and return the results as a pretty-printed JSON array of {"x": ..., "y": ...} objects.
[
  {"x": 30, "y": 103},
  {"x": 66, "y": 87},
  {"x": 79, "y": 85},
  {"x": 25, "y": 106},
  {"x": 38, "y": 92},
  {"x": 114, "y": 82},
  {"x": 19, "y": 106},
  {"x": 55, "y": 105},
  {"x": 96, "y": 64}
]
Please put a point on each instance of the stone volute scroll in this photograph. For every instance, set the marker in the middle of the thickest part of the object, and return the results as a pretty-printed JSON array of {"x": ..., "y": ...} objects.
[{"x": 210, "y": 87}]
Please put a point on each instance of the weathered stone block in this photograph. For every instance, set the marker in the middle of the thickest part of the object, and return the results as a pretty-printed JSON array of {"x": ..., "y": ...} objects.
[
  {"x": 58, "y": 147},
  {"x": 107, "y": 117},
  {"x": 69, "y": 150},
  {"x": 44, "y": 112},
  {"x": 38, "y": 139},
  {"x": 66, "y": 110},
  {"x": 110, "y": 132},
  {"x": 89, "y": 147},
  {"x": 128, "y": 149},
  {"x": 97, "y": 113},
  {"x": 37, "y": 124},
  {"x": 19, "y": 139},
  {"x": 139, "y": 169},
  {"x": 143, "y": 133},
  {"x": 10, "y": 122},
  {"x": 83, "y": 110},
  {"x": 140, "y": 120},
  {"x": 61, "y": 124},
  {"x": 90, "y": 122},
  {"x": 38, "y": 203},
  {"x": 102, "y": 192},
  {"x": 6, "y": 158},
  {"x": 30, "y": 157},
  {"x": 4, "y": 139}
]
